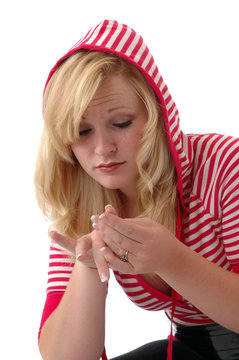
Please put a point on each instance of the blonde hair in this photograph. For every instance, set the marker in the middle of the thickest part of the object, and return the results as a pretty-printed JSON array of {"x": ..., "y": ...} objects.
[{"x": 67, "y": 195}]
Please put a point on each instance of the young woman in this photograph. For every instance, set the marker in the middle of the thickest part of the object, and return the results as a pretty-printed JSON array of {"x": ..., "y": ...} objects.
[{"x": 171, "y": 235}]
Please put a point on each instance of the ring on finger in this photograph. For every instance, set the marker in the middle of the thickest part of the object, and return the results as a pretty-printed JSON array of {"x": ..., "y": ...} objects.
[{"x": 124, "y": 257}]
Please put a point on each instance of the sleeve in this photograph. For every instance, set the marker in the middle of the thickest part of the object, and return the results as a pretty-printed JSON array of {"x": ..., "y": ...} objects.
[
  {"x": 230, "y": 207},
  {"x": 60, "y": 269}
]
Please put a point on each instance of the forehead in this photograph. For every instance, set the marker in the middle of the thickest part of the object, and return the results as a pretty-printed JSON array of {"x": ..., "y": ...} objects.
[{"x": 114, "y": 91}]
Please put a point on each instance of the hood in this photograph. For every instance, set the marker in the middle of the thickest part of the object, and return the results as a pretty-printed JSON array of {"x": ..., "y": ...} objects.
[{"x": 119, "y": 39}]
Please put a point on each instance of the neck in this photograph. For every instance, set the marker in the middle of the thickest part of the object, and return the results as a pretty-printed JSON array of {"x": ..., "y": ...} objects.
[{"x": 130, "y": 205}]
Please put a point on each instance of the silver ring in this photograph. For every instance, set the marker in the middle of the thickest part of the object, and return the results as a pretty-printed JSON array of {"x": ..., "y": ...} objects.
[{"x": 124, "y": 257}]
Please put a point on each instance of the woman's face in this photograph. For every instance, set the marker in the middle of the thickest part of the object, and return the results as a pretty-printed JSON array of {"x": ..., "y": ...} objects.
[{"x": 110, "y": 133}]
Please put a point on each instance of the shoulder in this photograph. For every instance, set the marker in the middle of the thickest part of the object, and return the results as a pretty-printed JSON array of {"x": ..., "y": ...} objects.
[
  {"x": 212, "y": 141},
  {"x": 215, "y": 169},
  {"x": 214, "y": 150}
]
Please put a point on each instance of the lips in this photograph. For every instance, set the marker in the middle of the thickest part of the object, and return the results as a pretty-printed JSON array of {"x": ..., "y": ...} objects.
[{"x": 110, "y": 167}]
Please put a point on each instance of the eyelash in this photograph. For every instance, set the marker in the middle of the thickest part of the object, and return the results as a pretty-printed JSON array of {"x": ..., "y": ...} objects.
[
  {"x": 123, "y": 124},
  {"x": 84, "y": 132},
  {"x": 119, "y": 125}
]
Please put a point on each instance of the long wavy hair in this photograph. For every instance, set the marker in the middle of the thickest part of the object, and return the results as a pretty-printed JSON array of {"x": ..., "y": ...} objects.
[{"x": 67, "y": 195}]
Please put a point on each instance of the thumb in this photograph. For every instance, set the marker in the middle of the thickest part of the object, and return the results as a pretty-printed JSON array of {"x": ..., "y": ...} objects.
[
  {"x": 84, "y": 244},
  {"x": 100, "y": 261},
  {"x": 64, "y": 241}
]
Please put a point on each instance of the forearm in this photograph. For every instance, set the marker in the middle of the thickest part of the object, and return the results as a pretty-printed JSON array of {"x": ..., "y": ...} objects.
[
  {"x": 213, "y": 290},
  {"x": 75, "y": 330}
]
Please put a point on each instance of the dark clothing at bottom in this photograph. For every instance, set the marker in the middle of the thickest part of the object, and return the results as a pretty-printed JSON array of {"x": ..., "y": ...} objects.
[
  {"x": 157, "y": 350},
  {"x": 206, "y": 342}
]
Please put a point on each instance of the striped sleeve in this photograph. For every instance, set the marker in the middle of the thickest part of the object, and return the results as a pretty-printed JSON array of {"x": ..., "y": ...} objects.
[
  {"x": 60, "y": 269},
  {"x": 230, "y": 207}
]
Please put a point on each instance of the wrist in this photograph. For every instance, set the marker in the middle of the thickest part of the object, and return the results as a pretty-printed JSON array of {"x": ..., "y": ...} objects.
[
  {"x": 175, "y": 264},
  {"x": 90, "y": 273},
  {"x": 173, "y": 254}
]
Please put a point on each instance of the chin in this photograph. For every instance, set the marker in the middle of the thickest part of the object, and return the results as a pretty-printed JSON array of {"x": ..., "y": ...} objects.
[{"x": 110, "y": 186}]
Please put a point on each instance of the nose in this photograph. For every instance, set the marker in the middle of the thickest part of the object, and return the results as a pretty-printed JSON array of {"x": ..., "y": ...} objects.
[{"x": 104, "y": 144}]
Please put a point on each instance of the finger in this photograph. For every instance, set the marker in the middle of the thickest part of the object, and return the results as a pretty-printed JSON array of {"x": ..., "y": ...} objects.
[
  {"x": 117, "y": 242},
  {"x": 95, "y": 218},
  {"x": 126, "y": 227},
  {"x": 110, "y": 210},
  {"x": 115, "y": 263},
  {"x": 65, "y": 242},
  {"x": 83, "y": 246},
  {"x": 101, "y": 263},
  {"x": 117, "y": 250}
]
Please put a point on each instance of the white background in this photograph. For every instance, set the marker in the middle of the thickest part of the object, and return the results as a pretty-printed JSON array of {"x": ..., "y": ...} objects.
[{"x": 195, "y": 44}]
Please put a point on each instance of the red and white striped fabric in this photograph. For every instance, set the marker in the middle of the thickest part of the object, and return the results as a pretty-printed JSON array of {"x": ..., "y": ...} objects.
[{"x": 208, "y": 184}]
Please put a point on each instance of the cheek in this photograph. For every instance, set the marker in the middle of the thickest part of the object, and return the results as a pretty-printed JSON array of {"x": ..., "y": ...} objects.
[
  {"x": 134, "y": 143},
  {"x": 83, "y": 163},
  {"x": 79, "y": 153}
]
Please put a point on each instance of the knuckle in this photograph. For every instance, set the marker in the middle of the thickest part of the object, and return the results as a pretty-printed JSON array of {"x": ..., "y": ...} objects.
[
  {"x": 81, "y": 240},
  {"x": 119, "y": 251},
  {"x": 78, "y": 247},
  {"x": 130, "y": 231},
  {"x": 119, "y": 242}
]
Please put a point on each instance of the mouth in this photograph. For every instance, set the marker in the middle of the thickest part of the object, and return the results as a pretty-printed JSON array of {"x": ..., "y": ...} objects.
[{"x": 109, "y": 167}]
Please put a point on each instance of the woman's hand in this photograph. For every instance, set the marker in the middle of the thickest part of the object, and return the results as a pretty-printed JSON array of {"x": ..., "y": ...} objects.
[
  {"x": 148, "y": 243},
  {"x": 87, "y": 250}
]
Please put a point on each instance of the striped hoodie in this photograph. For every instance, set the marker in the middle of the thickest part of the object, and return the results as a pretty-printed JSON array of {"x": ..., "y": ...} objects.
[{"x": 208, "y": 187}]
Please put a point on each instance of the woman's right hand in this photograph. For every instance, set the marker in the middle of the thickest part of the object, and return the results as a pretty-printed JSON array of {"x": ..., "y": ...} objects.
[{"x": 87, "y": 250}]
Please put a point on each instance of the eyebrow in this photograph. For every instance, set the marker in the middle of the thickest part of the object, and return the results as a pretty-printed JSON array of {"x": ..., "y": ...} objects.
[{"x": 124, "y": 111}]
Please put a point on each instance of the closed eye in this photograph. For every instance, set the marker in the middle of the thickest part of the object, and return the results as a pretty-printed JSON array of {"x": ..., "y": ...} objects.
[
  {"x": 123, "y": 124},
  {"x": 85, "y": 132}
]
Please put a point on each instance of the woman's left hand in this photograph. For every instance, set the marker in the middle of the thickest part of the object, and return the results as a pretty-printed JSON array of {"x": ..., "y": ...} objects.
[{"x": 147, "y": 242}]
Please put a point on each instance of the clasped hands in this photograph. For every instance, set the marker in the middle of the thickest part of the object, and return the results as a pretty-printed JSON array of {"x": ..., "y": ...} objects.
[{"x": 147, "y": 242}]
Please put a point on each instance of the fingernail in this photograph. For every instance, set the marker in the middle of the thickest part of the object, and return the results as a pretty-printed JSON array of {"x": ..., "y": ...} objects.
[
  {"x": 79, "y": 256},
  {"x": 93, "y": 218},
  {"x": 103, "y": 277},
  {"x": 102, "y": 216},
  {"x": 107, "y": 206},
  {"x": 94, "y": 225}
]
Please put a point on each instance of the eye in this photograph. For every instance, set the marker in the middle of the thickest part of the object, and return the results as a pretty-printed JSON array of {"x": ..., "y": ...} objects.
[
  {"x": 123, "y": 124},
  {"x": 84, "y": 132}
]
